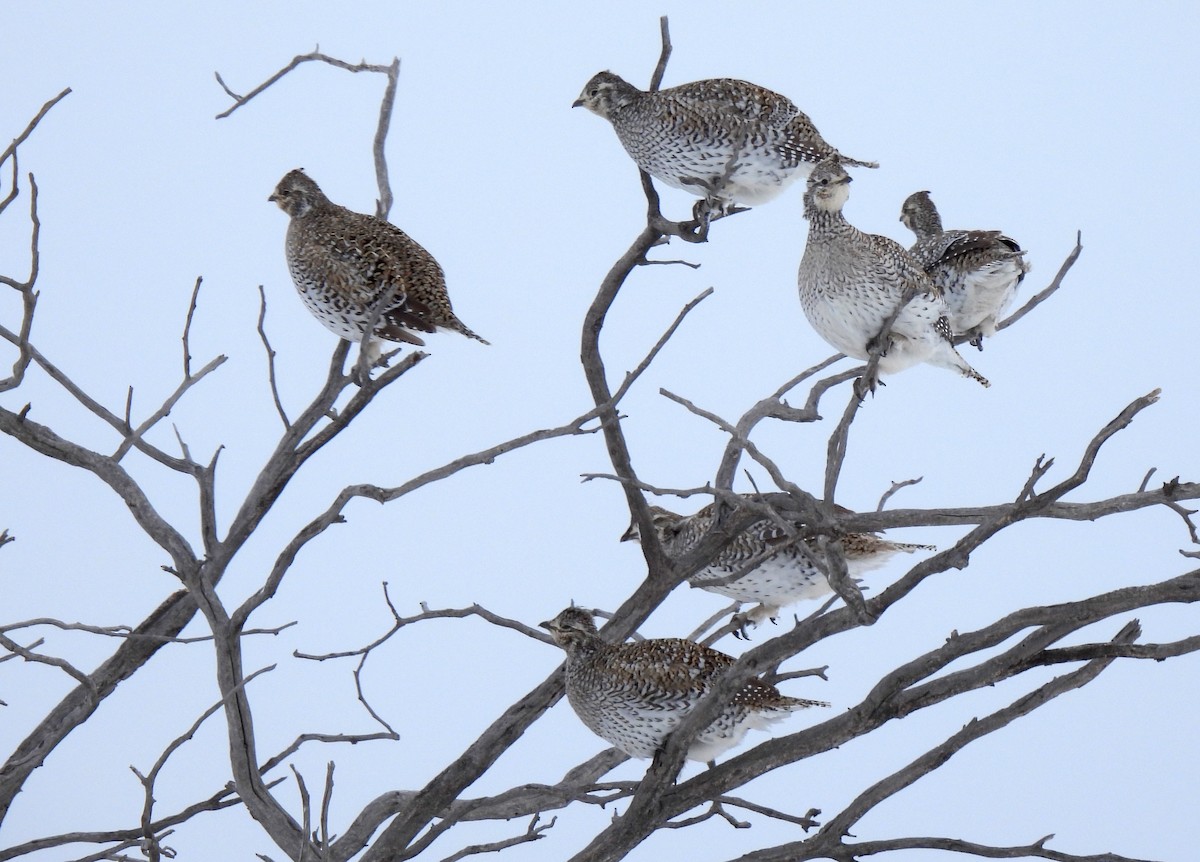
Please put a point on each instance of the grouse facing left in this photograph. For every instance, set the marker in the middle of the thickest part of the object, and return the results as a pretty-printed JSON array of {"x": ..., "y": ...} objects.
[
  {"x": 344, "y": 264},
  {"x": 726, "y": 140},
  {"x": 634, "y": 694}
]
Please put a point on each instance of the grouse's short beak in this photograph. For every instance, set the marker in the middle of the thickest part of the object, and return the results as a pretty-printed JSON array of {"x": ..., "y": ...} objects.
[
  {"x": 848, "y": 179},
  {"x": 547, "y": 625},
  {"x": 630, "y": 535},
  {"x": 272, "y": 198},
  {"x": 578, "y": 103}
]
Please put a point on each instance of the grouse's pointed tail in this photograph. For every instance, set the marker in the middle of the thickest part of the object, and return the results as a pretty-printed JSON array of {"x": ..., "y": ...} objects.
[
  {"x": 857, "y": 163},
  {"x": 968, "y": 371},
  {"x": 910, "y": 548},
  {"x": 951, "y": 359},
  {"x": 945, "y": 356},
  {"x": 979, "y": 378},
  {"x": 460, "y": 327}
]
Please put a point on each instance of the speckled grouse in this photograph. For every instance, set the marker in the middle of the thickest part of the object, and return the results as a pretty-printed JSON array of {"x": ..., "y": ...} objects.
[
  {"x": 851, "y": 282},
  {"x": 634, "y": 694},
  {"x": 978, "y": 271},
  {"x": 345, "y": 263},
  {"x": 763, "y": 563},
  {"x": 725, "y": 140}
]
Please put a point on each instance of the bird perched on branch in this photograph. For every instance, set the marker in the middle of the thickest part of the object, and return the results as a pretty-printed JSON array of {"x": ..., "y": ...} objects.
[
  {"x": 729, "y": 141},
  {"x": 349, "y": 267},
  {"x": 978, "y": 271},
  {"x": 765, "y": 562},
  {"x": 634, "y": 694},
  {"x": 851, "y": 283}
]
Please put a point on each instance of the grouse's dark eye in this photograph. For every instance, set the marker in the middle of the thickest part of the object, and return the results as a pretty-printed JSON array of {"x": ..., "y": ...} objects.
[{"x": 594, "y": 92}]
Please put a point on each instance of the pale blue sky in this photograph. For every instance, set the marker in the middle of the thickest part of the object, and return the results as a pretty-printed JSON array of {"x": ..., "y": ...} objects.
[{"x": 1039, "y": 119}]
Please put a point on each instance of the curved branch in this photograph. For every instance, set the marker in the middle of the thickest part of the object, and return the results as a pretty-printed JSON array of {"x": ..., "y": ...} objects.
[
  {"x": 298, "y": 60},
  {"x": 41, "y": 439},
  {"x": 384, "y": 205},
  {"x": 835, "y": 829},
  {"x": 1038, "y": 298}
]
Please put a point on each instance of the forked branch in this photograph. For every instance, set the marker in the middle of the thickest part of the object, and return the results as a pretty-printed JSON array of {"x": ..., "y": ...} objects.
[{"x": 378, "y": 148}]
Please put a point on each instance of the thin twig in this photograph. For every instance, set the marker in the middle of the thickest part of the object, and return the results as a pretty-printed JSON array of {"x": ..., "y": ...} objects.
[
  {"x": 134, "y": 436},
  {"x": 29, "y": 296},
  {"x": 839, "y": 826},
  {"x": 632, "y": 376},
  {"x": 1145, "y": 483},
  {"x": 187, "y": 329},
  {"x": 326, "y": 801},
  {"x": 262, "y": 334},
  {"x": 835, "y": 455},
  {"x": 1039, "y": 298},
  {"x": 362, "y": 698},
  {"x": 148, "y": 780},
  {"x": 660, "y": 68},
  {"x": 317, "y": 56},
  {"x": 534, "y": 831},
  {"x": 378, "y": 149},
  {"x": 124, "y": 631},
  {"x": 11, "y": 149},
  {"x": 426, "y": 614},
  {"x": 896, "y": 486},
  {"x": 775, "y": 407},
  {"x": 1036, "y": 850},
  {"x": 305, "y": 810},
  {"x": 65, "y": 666}
]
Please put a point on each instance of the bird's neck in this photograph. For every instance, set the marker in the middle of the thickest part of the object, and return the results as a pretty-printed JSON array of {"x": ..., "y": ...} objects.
[
  {"x": 625, "y": 94},
  {"x": 928, "y": 226},
  {"x": 582, "y": 648},
  {"x": 825, "y": 221}
]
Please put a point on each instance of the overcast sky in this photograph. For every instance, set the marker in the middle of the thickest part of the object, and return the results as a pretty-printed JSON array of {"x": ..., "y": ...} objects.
[{"x": 1038, "y": 119}]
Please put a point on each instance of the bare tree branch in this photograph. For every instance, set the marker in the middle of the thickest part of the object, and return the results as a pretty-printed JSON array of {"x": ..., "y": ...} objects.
[
  {"x": 313, "y": 56},
  {"x": 11, "y": 150},
  {"x": 151, "y": 835},
  {"x": 118, "y": 423},
  {"x": 896, "y": 486},
  {"x": 863, "y": 849},
  {"x": 1038, "y": 298},
  {"x": 125, "y": 631},
  {"x": 773, "y": 406},
  {"x": 28, "y": 295},
  {"x": 632, "y": 376},
  {"x": 535, "y": 831},
  {"x": 29, "y": 655},
  {"x": 384, "y": 204},
  {"x": 661, "y": 69},
  {"x": 474, "y": 610},
  {"x": 404, "y": 824},
  {"x": 262, "y": 334},
  {"x": 333, "y": 514},
  {"x": 133, "y": 436},
  {"x": 835, "y": 829},
  {"x": 187, "y": 328},
  {"x": 124, "y": 838}
]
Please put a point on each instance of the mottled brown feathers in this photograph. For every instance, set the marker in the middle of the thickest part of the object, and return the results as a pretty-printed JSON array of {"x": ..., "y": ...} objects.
[{"x": 345, "y": 264}]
